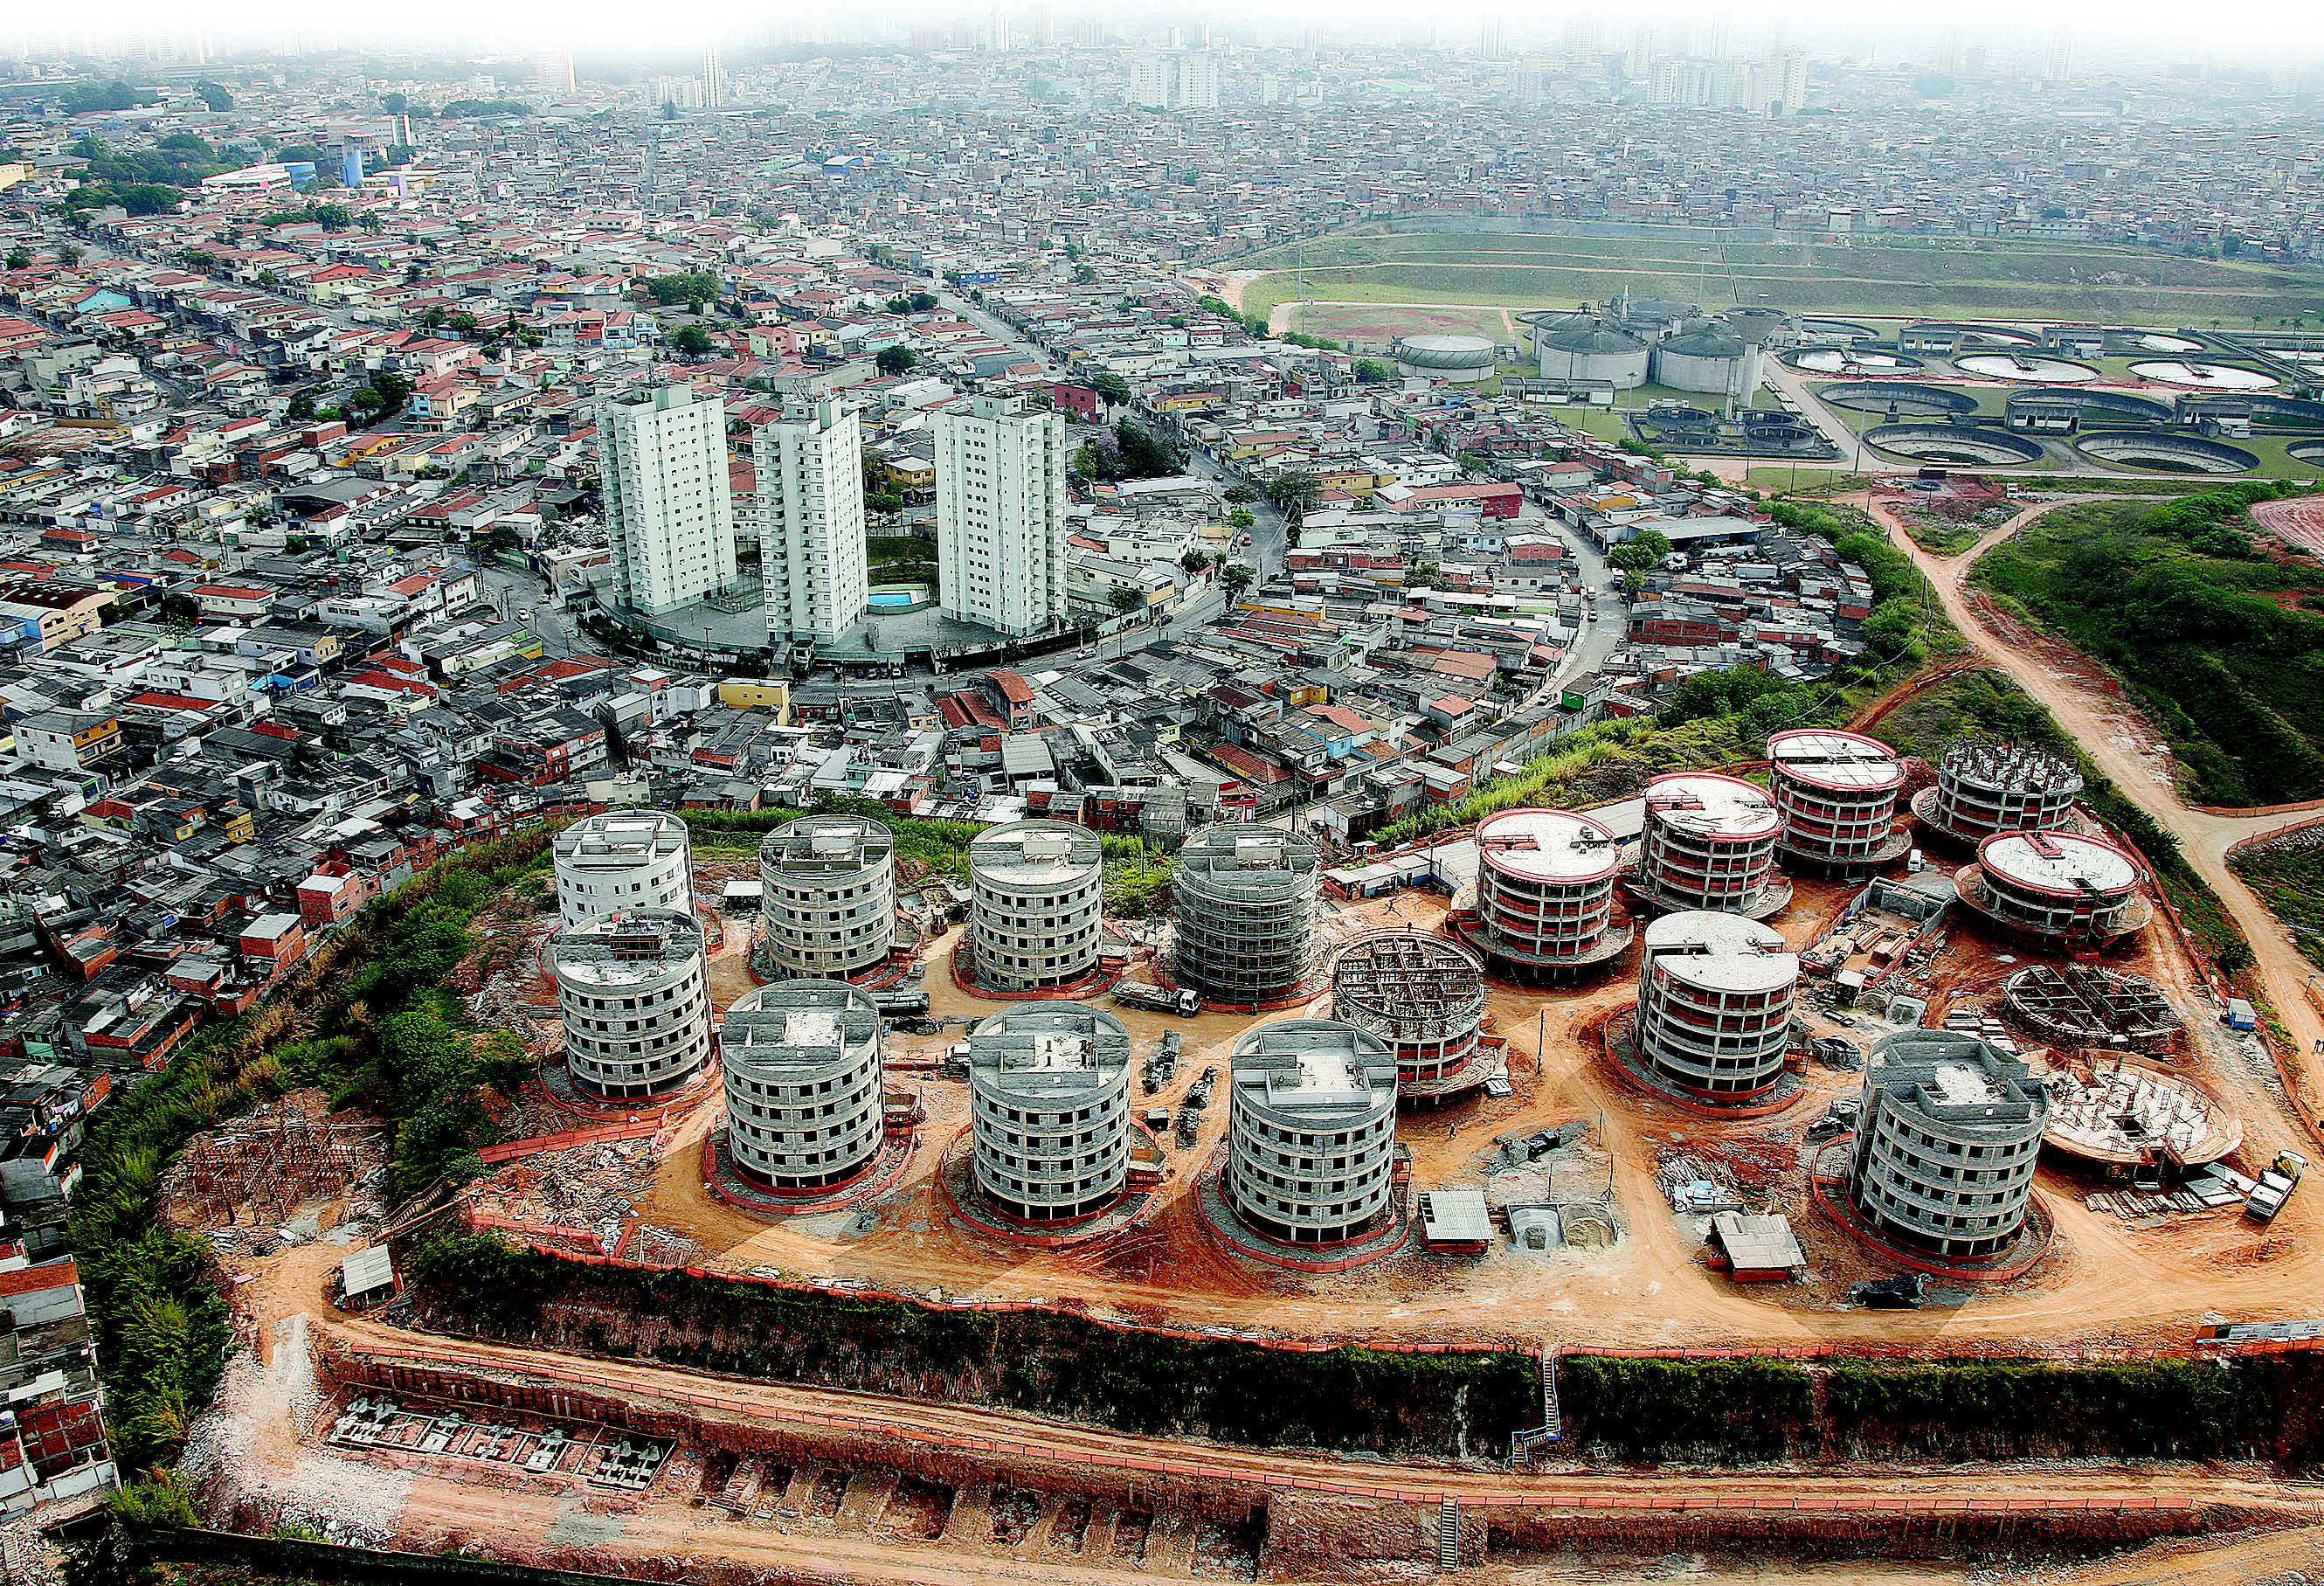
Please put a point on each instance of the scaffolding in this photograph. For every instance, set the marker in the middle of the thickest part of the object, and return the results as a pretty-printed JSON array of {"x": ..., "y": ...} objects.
[
  {"x": 2082, "y": 1005},
  {"x": 258, "y": 1170},
  {"x": 1243, "y": 912},
  {"x": 1984, "y": 788},
  {"x": 2123, "y": 1115},
  {"x": 1421, "y": 994}
]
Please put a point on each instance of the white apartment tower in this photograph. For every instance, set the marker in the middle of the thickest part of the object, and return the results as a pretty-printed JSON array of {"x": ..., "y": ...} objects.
[
  {"x": 811, "y": 556},
  {"x": 1000, "y": 514},
  {"x": 714, "y": 78},
  {"x": 668, "y": 506}
]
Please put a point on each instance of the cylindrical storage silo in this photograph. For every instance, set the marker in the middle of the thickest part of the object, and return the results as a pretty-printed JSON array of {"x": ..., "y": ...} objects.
[
  {"x": 1837, "y": 793},
  {"x": 1311, "y": 1132},
  {"x": 1946, "y": 1143},
  {"x": 622, "y": 860},
  {"x": 2064, "y": 890},
  {"x": 1462, "y": 360},
  {"x": 1546, "y": 888},
  {"x": 1709, "y": 842},
  {"x": 1048, "y": 1097},
  {"x": 801, "y": 1061},
  {"x": 1985, "y": 789},
  {"x": 1422, "y": 995},
  {"x": 828, "y": 896},
  {"x": 1242, "y": 904},
  {"x": 633, "y": 995},
  {"x": 1707, "y": 356},
  {"x": 1036, "y": 895},
  {"x": 1586, "y": 350},
  {"x": 1715, "y": 1005}
]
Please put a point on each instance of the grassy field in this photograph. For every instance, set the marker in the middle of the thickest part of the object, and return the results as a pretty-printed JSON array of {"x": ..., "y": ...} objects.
[
  {"x": 2292, "y": 884},
  {"x": 1960, "y": 279}
]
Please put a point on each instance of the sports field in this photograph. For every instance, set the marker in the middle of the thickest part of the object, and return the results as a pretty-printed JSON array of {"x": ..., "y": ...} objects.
[{"x": 1960, "y": 279}]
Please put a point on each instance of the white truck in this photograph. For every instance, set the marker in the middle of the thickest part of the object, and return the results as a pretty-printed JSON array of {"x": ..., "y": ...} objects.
[{"x": 1183, "y": 1002}]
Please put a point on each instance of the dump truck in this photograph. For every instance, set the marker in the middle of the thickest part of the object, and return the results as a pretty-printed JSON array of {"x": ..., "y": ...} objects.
[
  {"x": 1146, "y": 994},
  {"x": 2275, "y": 1185}
]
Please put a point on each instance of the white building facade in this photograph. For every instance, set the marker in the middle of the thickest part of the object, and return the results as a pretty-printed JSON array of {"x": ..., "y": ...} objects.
[
  {"x": 811, "y": 547},
  {"x": 668, "y": 505},
  {"x": 1000, "y": 514}
]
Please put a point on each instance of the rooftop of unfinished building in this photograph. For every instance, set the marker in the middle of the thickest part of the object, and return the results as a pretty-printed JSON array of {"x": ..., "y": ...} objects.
[
  {"x": 764, "y": 1030},
  {"x": 625, "y": 949},
  {"x": 827, "y": 842},
  {"x": 1034, "y": 851},
  {"x": 1547, "y": 845},
  {"x": 1048, "y": 1046},
  {"x": 1833, "y": 759},
  {"x": 1720, "y": 951},
  {"x": 1262, "y": 851},
  {"x": 1711, "y": 805},
  {"x": 1315, "y": 1066},
  {"x": 2057, "y": 861},
  {"x": 625, "y": 835},
  {"x": 1956, "y": 1078}
]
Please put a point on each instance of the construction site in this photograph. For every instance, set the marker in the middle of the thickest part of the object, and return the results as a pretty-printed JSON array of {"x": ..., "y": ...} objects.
[{"x": 1535, "y": 1194}]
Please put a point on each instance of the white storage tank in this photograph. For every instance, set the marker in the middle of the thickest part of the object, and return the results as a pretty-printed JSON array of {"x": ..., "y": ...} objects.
[{"x": 1584, "y": 349}]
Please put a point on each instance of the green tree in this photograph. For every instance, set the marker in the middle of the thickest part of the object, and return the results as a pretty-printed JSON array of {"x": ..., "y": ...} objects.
[
  {"x": 1235, "y": 577},
  {"x": 18, "y": 259},
  {"x": 1372, "y": 372},
  {"x": 691, "y": 340},
  {"x": 1294, "y": 492},
  {"x": 215, "y": 95},
  {"x": 895, "y": 360},
  {"x": 1123, "y": 598},
  {"x": 1239, "y": 519},
  {"x": 1113, "y": 387}
]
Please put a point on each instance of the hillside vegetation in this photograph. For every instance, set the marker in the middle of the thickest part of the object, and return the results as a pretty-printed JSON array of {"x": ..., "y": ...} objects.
[{"x": 2221, "y": 645}]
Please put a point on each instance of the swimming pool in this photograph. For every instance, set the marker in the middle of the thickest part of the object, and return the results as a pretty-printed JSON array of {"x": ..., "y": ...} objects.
[{"x": 885, "y": 599}]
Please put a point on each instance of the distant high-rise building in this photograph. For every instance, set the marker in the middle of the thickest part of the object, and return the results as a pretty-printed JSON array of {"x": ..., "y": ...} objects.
[
  {"x": 714, "y": 78},
  {"x": 1152, "y": 78},
  {"x": 552, "y": 72},
  {"x": 1000, "y": 514},
  {"x": 668, "y": 505},
  {"x": 1492, "y": 46},
  {"x": 1198, "y": 81},
  {"x": 811, "y": 551},
  {"x": 685, "y": 92},
  {"x": 1041, "y": 25},
  {"x": 1949, "y": 51},
  {"x": 2058, "y": 58},
  {"x": 1580, "y": 35}
]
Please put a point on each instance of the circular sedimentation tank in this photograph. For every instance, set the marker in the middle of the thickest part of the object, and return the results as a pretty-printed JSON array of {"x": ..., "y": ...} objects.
[
  {"x": 1877, "y": 396},
  {"x": 2025, "y": 369},
  {"x": 1964, "y": 443},
  {"x": 2306, "y": 451},
  {"x": 2090, "y": 404},
  {"x": 1970, "y": 333},
  {"x": 1581, "y": 346},
  {"x": 1844, "y": 360},
  {"x": 2164, "y": 451},
  {"x": 1818, "y": 328},
  {"x": 2154, "y": 341},
  {"x": 2192, "y": 376}
]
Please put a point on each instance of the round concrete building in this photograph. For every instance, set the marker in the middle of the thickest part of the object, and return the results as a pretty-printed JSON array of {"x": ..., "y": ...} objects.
[
  {"x": 622, "y": 860},
  {"x": 1545, "y": 890},
  {"x": 1311, "y": 1132},
  {"x": 1983, "y": 790},
  {"x": 1715, "y": 1005},
  {"x": 1710, "y": 843},
  {"x": 1049, "y": 1100},
  {"x": 1946, "y": 1144},
  {"x": 1706, "y": 355},
  {"x": 1585, "y": 349},
  {"x": 2057, "y": 887},
  {"x": 801, "y": 1060},
  {"x": 1243, "y": 906},
  {"x": 827, "y": 905},
  {"x": 1036, "y": 895},
  {"x": 1422, "y": 995},
  {"x": 1837, "y": 792},
  {"x": 634, "y": 996},
  {"x": 1463, "y": 360}
]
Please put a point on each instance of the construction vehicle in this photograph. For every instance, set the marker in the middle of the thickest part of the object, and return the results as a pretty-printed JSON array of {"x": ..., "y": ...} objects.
[
  {"x": 1184, "y": 1002},
  {"x": 900, "y": 1000},
  {"x": 2276, "y": 1182}
]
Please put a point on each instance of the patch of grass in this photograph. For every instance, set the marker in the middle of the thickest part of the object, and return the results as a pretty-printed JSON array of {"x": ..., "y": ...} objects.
[{"x": 2291, "y": 881}]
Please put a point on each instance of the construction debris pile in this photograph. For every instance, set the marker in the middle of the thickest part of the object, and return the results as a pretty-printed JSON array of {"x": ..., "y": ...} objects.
[{"x": 596, "y": 1188}]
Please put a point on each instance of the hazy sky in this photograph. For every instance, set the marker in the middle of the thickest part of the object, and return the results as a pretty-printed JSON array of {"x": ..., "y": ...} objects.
[{"x": 2259, "y": 29}]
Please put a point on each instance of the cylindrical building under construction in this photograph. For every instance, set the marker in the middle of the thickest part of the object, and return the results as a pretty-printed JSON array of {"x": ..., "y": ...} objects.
[
  {"x": 1710, "y": 843},
  {"x": 1037, "y": 891},
  {"x": 1243, "y": 911},
  {"x": 1946, "y": 1143},
  {"x": 1715, "y": 1005},
  {"x": 633, "y": 995},
  {"x": 2059, "y": 889},
  {"x": 801, "y": 1062},
  {"x": 828, "y": 896},
  {"x": 1545, "y": 890},
  {"x": 619, "y": 861},
  {"x": 1049, "y": 1101},
  {"x": 1837, "y": 793},
  {"x": 1422, "y": 995},
  {"x": 1311, "y": 1132},
  {"x": 1985, "y": 789}
]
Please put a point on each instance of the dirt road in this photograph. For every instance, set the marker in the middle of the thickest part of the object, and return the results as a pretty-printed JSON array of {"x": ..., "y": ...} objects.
[{"x": 2134, "y": 755}]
